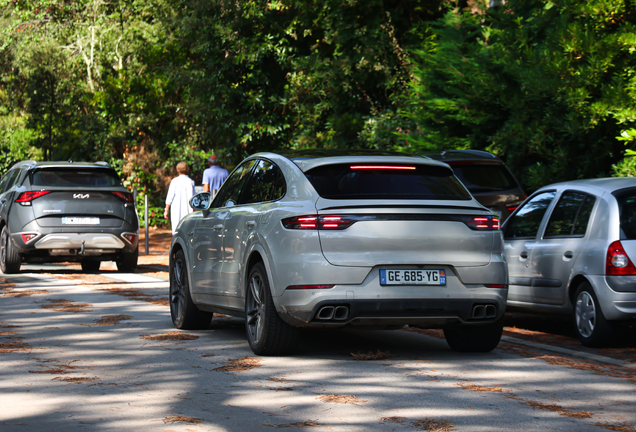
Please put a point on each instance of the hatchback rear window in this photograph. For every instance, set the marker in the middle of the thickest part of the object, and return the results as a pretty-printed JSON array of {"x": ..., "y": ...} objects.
[
  {"x": 386, "y": 181},
  {"x": 627, "y": 210},
  {"x": 75, "y": 177},
  {"x": 484, "y": 177}
]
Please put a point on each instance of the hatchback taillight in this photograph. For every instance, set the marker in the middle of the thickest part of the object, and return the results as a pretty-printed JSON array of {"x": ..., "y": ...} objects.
[
  {"x": 25, "y": 198},
  {"x": 617, "y": 262},
  {"x": 126, "y": 196},
  {"x": 311, "y": 222},
  {"x": 482, "y": 223}
]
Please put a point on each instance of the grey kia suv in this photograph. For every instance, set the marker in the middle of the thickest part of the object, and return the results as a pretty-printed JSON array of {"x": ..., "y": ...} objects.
[{"x": 65, "y": 211}]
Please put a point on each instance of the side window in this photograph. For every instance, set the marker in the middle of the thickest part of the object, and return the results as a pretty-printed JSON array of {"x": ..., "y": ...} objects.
[
  {"x": 571, "y": 215},
  {"x": 266, "y": 184},
  {"x": 10, "y": 180},
  {"x": 583, "y": 219},
  {"x": 229, "y": 193},
  {"x": 525, "y": 223},
  {"x": 4, "y": 180}
]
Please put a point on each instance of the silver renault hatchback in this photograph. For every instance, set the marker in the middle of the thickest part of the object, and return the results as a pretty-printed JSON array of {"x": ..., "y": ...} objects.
[
  {"x": 570, "y": 249},
  {"x": 332, "y": 239}
]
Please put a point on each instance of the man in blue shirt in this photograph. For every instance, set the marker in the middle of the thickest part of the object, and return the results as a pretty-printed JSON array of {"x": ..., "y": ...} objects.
[{"x": 214, "y": 176}]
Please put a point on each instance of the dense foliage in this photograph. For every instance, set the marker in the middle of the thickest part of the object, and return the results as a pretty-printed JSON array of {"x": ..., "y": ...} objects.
[{"x": 547, "y": 85}]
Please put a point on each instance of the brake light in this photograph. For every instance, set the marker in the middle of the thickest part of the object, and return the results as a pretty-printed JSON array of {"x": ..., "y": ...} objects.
[
  {"x": 513, "y": 205},
  {"x": 28, "y": 237},
  {"x": 383, "y": 167},
  {"x": 126, "y": 196},
  {"x": 129, "y": 237},
  {"x": 304, "y": 287},
  {"x": 617, "y": 262},
  {"x": 25, "y": 198},
  {"x": 495, "y": 286},
  {"x": 330, "y": 222},
  {"x": 483, "y": 223}
]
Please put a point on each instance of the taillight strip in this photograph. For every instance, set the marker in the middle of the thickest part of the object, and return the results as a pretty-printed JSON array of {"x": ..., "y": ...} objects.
[
  {"x": 25, "y": 198},
  {"x": 340, "y": 222}
]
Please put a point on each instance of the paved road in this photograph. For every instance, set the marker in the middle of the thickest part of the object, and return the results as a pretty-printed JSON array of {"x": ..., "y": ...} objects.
[{"x": 98, "y": 352}]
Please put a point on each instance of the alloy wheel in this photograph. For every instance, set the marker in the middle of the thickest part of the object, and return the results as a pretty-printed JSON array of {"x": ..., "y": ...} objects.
[
  {"x": 585, "y": 314},
  {"x": 3, "y": 247},
  {"x": 256, "y": 308},
  {"x": 177, "y": 289}
]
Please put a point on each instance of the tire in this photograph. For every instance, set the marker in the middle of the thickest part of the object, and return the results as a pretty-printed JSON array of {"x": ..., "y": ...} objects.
[
  {"x": 10, "y": 260},
  {"x": 90, "y": 266},
  {"x": 185, "y": 314},
  {"x": 474, "y": 338},
  {"x": 127, "y": 261},
  {"x": 267, "y": 333},
  {"x": 590, "y": 325}
]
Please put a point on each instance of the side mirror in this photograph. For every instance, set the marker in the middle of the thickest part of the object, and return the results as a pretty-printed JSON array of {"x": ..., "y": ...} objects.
[{"x": 201, "y": 201}]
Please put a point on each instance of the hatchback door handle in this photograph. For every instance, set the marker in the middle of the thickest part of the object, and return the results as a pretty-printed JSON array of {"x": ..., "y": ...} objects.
[
  {"x": 568, "y": 254},
  {"x": 251, "y": 224},
  {"x": 218, "y": 227},
  {"x": 524, "y": 254}
]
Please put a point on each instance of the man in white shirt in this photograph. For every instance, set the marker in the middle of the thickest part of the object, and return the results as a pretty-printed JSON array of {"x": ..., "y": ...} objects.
[{"x": 179, "y": 193}]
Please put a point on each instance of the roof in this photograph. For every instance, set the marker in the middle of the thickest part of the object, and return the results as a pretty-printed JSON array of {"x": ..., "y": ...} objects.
[
  {"x": 38, "y": 164},
  {"x": 308, "y": 159},
  {"x": 608, "y": 184},
  {"x": 461, "y": 155}
]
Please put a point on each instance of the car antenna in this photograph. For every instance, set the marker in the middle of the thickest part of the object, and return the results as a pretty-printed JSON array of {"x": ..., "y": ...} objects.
[{"x": 70, "y": 160}]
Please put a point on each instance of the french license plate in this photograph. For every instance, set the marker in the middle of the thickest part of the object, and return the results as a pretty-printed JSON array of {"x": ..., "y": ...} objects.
[
  {"x": 80, "y": 221},
  {"x": 412, "y": 277}
]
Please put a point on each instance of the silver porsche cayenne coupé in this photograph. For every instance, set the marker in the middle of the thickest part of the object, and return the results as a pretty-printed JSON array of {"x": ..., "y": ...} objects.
[{"x": 331, "y": 239}]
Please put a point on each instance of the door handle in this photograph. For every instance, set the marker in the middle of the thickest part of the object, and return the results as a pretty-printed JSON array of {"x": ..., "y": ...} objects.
[
  {"x": 251, "y": 224},
  {"x": 524, "y": 254},
  {"x": 218, "y": 227},
  {"x": 3, "y": 200},
  {"x": 568, "y": 254}
]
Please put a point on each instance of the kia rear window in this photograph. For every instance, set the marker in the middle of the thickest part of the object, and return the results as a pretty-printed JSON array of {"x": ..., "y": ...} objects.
[
  {"x": 386, "y": 181},
  {"x": 627, "y": 210},
  {"x": 484, "y": 177},
  {"x": 75, "y": 177}
]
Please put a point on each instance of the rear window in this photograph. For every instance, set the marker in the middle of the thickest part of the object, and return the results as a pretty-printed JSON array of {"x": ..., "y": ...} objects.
[
  {"x": 75, "y": 177},
  {"x": 627, "y": 210},
  {"x": 389, "y": 181},
  {"x": 484, "y": 177}
]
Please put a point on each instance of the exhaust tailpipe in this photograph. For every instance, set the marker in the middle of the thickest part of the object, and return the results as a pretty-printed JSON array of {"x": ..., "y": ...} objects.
[
  {"x": 479, "y": 312},
  {"x": 491, "y": 311},
  {"x": 326, "y": 313},
  {"x": 341, "y": 313}
]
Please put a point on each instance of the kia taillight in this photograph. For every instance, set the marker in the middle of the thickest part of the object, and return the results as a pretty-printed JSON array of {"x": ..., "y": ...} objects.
[
  {"x": 25, "y": 198},
  {"x": 28, "y": 237},
  {"x": 126, "y": 196},
  {"x": 130, "y": 237},
  {"x": 328, "y": 222},
  {"x": 617, "y": 262},
  {"x": 482, "y": 223},
  {"x": 512, "y": 206}
]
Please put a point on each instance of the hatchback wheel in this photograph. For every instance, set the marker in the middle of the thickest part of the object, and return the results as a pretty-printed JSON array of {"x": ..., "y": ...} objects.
[
  {"x": 267, "y": 333},
  {"x": 592, "y": 329},
  {"x": 9, "y": 258},
  {"x": 90, "y": 266},
  {"x": 185, "y": 314},
  {"x": 474, "y": 338}
]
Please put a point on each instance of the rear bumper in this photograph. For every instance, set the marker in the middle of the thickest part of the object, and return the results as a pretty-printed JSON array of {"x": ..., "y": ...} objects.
[
  {"x": 77, "y": 240},
  {"x": 426, "y": 313},
  {"x": 615, "y": 305}
]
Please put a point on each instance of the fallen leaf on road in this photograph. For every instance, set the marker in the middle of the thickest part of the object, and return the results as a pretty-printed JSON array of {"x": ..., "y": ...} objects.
[
  {"x": 170, "y": 336},
  {"x": 477, "y": 388},
  {"x": 8, "y": 333},
  {"x": 7, "y": 347},
  {"x": 429, "y": 332},
  {"x": 553, "y": 407},
  {"x": 336, "y": 398},
  {"x": 25, "y": 293},
  {"x": 379, "y": 355},
  {"x": 182, "y": 419},
  {"x": 111, "y": 319},
  {"x": 76, "y": 380},
  {"x": 400, "y": 420},
  {"x": 432, "y": 425},
  {"x": 310, "y": 423},
  {"x": 62, "y": 305},
  {"x": 240, "y": 364},
  {"x": 614, "y": 427}
]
